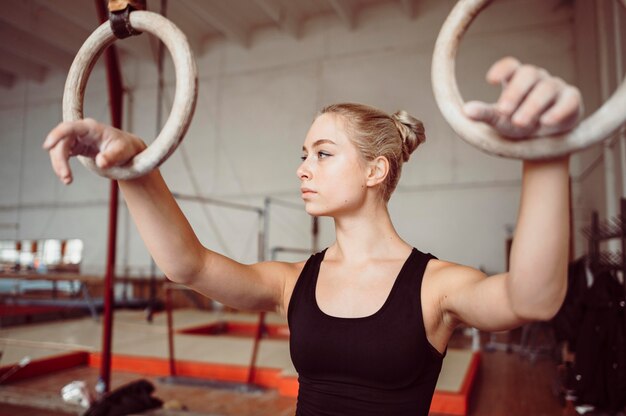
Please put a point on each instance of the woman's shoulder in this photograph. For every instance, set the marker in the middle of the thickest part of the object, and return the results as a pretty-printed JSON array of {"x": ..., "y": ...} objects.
[
  {"x": 290, "y": 270},
  {"x": 294, "y": 270},
  {"x": 447, "y": 274}
]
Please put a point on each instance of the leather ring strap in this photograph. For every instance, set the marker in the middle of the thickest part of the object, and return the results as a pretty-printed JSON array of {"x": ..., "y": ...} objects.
[{"x": 119, "y": 17}]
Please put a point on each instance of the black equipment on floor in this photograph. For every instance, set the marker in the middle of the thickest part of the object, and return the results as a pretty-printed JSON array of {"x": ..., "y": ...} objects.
[{"x": 593, "y": 320}]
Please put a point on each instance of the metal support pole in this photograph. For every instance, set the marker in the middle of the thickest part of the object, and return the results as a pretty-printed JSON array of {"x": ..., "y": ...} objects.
[
  {"x": 594, "y": 241},
  {"x": 572, "y": 231},
  {"x": 610, "y": 172},
  {"x": 619, "y": 74},
  {"x": 315, "y": 228},
  {"x": 266, "y": 226},
  {"x": 260, "y": 330},
  {"x": 261, "y": 235},
  {"x": 622, "y": 222},
  {"x": 255, "y": 348},
  {"x": 170, "y": 329},
  {"x": 115, "y": 89}
]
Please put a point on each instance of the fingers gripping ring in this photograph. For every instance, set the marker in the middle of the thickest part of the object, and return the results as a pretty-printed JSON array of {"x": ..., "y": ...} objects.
[
  {"x": 184, "y": 99},
  {"x": 594, "y": 129}
]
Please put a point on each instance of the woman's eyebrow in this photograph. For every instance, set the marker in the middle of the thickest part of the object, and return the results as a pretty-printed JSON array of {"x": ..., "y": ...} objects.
[{"x": 320, "y": 141}]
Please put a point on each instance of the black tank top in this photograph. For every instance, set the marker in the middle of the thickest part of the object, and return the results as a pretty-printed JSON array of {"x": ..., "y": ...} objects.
[{"x": 381, "y": 364}]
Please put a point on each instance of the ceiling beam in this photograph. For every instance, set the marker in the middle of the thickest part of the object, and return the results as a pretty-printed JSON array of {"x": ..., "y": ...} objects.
[
  {"x": 346, "y": 12},
  {"x": 271, "y": 8},
  {"x": 7, "y": 80},
  {"x": 27, "y": 45},
  {"x": 19, "y": 14},
  {"x": 20, "y": 67},
  {"x": 186, "y": 21},
  {"x": 291, "y": 24},
  {"x": 209, "y": 13},
  {"x": 284, "y": 18},
  {"x": 410, "y": 8},
  {"x": 81, "y": 12},
  {"x": 71, "y": 25},
  {"x": 41, "y": 22}
]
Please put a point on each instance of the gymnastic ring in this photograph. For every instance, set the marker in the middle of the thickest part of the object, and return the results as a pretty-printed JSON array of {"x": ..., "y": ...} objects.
[
  {"x": 595, "y": 128},
  {"x": 184, "y": 99}
]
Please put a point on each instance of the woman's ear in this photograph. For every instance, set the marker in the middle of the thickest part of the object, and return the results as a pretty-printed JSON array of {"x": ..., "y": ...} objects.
[{"x": 377, "y": 171}]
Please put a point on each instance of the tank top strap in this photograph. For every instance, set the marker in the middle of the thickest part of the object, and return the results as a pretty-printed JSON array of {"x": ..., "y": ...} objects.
[
  {"x": 417, "y": 272},
  {"x": 409, "y": 293},
  {"x": 421, "y": 261},
  {"x": 305, "y": 285},
  {"x": 411, "y": 275}
]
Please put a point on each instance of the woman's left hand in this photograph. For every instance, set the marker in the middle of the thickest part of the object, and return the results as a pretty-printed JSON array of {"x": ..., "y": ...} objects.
[{"x": 532, "y": 102}]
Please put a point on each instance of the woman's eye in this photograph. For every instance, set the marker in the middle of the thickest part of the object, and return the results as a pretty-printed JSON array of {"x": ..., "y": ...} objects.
[{"x": 320, "y": 155}]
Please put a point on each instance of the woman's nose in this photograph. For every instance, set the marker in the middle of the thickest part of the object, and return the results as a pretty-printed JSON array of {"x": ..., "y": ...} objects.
[{"x": 303, "y": 172}]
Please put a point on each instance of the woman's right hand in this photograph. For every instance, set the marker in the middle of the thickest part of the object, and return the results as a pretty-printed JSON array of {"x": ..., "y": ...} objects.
[{"x": 107, "y": 145}]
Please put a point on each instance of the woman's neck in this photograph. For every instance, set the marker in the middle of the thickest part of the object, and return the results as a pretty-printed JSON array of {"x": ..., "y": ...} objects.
[{"x": 366, "y": 234}]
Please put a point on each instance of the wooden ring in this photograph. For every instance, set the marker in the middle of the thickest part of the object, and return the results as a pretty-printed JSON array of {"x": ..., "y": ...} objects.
[
  {"x": 595, "y": 128},
  {"x": 184, "y": 99}
]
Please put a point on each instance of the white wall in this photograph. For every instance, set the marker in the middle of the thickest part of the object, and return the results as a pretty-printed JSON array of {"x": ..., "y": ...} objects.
[{"x": 254, "y": 108}]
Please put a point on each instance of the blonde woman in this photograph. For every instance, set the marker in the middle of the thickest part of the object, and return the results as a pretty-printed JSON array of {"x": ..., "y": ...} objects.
[{"x": 370, "y": 316}]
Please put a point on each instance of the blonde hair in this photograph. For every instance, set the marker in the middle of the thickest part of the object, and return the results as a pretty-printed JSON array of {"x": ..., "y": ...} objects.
[{"x": 376, "y": 133}]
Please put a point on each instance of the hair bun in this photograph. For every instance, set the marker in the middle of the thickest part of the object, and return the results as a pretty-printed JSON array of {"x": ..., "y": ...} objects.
[{"x": 411, "y": 131}]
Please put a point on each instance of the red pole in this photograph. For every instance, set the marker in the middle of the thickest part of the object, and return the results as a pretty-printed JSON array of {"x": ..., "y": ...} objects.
[
  {"x": 170, "y": 328},
  {"x": 255, "y": 348},
  {"x": 114, "y": 81}
]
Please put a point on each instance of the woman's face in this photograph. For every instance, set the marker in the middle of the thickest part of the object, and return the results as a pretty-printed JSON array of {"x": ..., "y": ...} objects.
[{"x": 332, "y": 174}]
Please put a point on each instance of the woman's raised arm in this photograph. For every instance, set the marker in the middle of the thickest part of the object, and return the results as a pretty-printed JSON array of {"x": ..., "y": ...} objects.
[
  {"x": 163, "y": 226},
  {"x": 532, "y": 103}
]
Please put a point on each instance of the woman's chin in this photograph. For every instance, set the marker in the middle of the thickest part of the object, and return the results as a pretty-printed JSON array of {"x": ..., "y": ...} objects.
[{"x": 315, "y": 211}]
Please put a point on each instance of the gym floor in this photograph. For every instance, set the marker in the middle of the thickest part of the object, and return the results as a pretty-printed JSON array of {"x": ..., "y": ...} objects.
[{"x": 506, "y": 383}]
